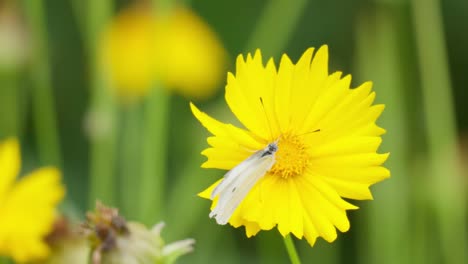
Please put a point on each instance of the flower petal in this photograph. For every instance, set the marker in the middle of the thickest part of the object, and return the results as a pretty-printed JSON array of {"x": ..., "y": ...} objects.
[
  {"x": 349, "y": 189},
  {"x": 250, "y": 96},
  {"x": 29, "y": 212},
  {"x": 231, "y": 145},
  {"x": 344, "y": 146},
  {"x": 310, "y": 199},
  {"x": 10, "y": 163},
  {"x": 325, "y": 103}
]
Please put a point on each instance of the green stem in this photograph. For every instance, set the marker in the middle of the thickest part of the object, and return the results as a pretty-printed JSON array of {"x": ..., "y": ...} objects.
[
  {"x": 43, "y": 99},
  {"x": 155, "y": 137},
  {"x": 446, "y": 182},
  {"x": 10, "y": 117},
  {"x": 379, "y": 52},
  {"x": 130, "y": 161},
  {"x": 78, "y": 8},
  {"x": 102, "y": 182},
  {"x": 293, "y": 256},
  {"x": 102, "y": 111},
  {"x": 272, "y": 42},
  {"x": 4, "y": 260}
]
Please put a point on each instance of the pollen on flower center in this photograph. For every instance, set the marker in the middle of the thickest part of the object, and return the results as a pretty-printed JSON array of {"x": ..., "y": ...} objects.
[{"x": 291, "y": 157}]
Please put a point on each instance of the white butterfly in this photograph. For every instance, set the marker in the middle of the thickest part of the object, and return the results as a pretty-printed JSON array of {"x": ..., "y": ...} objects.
[{"x": 237, "y": 182}]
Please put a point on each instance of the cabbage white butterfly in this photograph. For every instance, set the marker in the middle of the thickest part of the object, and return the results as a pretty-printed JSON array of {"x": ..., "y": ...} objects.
[{"x": 237, "y": 182}]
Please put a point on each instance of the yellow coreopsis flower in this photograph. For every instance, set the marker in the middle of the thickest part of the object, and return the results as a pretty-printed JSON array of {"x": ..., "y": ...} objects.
[
  {"x": 176, "y": 49},
  {"x": 309, "y": 141},
  {"x": 27, "y": 206},
  {"x": 189, "y": 56},
  {"x": 128, "y": 51}
]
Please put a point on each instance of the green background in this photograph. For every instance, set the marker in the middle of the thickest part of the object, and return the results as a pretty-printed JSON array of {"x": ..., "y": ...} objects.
[{"x": 414, "y": 51}]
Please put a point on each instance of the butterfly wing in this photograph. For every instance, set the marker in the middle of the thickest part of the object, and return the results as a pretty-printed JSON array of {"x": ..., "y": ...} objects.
[
  {"x": 232, "y": 175},
  {"x": 238, "y": 184}
]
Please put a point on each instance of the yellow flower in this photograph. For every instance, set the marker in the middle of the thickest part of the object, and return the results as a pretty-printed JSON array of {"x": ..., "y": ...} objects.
[
  {"x": 189, "y": 56},
  {"x": 27, "y": 207},
  {"x": 177, "y": 49},
  {"x": 318, "y": 136}
]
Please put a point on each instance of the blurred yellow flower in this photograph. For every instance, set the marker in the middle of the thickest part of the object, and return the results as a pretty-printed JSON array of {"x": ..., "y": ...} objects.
[
  {"x": 309, "y": 142},
  {"x": 177, "y": 49},
  {"x": 27, "y": 207}
]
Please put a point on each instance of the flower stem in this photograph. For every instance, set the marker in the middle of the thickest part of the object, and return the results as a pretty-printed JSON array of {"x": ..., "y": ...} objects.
[
  {"x": 272, "y": 42},
  {"x": 447, "y": 191},
  {"x": 102, "y": 149},
  {"x": 130, "y": 156},
  {"x": 10, "y": 118},
  {"x": 380, "y": 39},
  {"x": 293, "y": 256},
  {"x": 4, "y": 260},
  {"x": 43, "y": 99},
  {"x": 154, "y": 160}
]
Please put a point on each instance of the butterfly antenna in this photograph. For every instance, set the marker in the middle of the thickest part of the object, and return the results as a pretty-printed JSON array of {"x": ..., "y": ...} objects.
[
  {"x": 266, "y": 116},
  {"x": 310, "y": 132}
]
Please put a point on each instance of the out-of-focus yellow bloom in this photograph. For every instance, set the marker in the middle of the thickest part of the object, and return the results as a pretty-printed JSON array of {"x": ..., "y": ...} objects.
[
  {"x": 128, "y": 50},
  {"x": 177, "y": 49},
  {"x": 191, "y": 57},
  {"x": 27, "y": 207}
]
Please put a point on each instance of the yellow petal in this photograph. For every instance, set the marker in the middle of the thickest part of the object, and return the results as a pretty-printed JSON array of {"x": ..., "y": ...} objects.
[
  {"x": 343, "y": 109},
  {"x": 231, "y": 146},
  {"x": 250, "y": 96},
  {"x": 259, "y": 205},
  {"x": 295, "y": 210},
  {"x": 207, "y": 192},
  {"x": 310, "y": 179},
  {"x": 251, "y": 229},
  {"x": 369, "y": 175},
  {"x": 325, "y": 103},
  {"x": 10, "y": 163},
  {"x": 329, "y": 206},
  {"x": 319, "y": 66},
  {"x": 322, "y": 225},
  {"x": 29, "y": 212},
  {"x": 351, "y": 190},
  {"x": 300, "y": 85},
  {"x": 344, "y": 146},
  {"x": 310, "y": 233},
  {"x": 353, "y": 160},
  {"x": 283, "y": 92}
]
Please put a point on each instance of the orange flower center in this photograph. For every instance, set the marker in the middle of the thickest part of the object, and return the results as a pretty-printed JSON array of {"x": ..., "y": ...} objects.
[{"x": 291, "y": 158}]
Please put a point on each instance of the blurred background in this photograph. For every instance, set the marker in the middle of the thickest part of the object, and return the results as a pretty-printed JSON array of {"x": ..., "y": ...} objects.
[{"x": 101, "y": 89}]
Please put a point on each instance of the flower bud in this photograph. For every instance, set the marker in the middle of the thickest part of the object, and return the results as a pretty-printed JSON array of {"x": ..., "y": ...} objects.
[{"x": 116, "y": 241}]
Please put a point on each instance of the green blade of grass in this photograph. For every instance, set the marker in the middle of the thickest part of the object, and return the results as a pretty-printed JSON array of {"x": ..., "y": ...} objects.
[
  {"x": 447, "y": 192},
  {"x": 130, "y": 160},
  {"x": 44, "y": 113},
  {"x": 10, "y": 117},
  {"x": 273, "y": 41},
  {"x": 102, "y": 180},
  {"x": 154, "y": 160},
  {"x": 384, "y": 226}
]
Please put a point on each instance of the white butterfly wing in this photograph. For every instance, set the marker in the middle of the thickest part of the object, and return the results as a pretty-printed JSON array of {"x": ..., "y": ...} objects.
[
  {"x": 232, "y": 175},
  {"x": 240, "y": 181}
]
